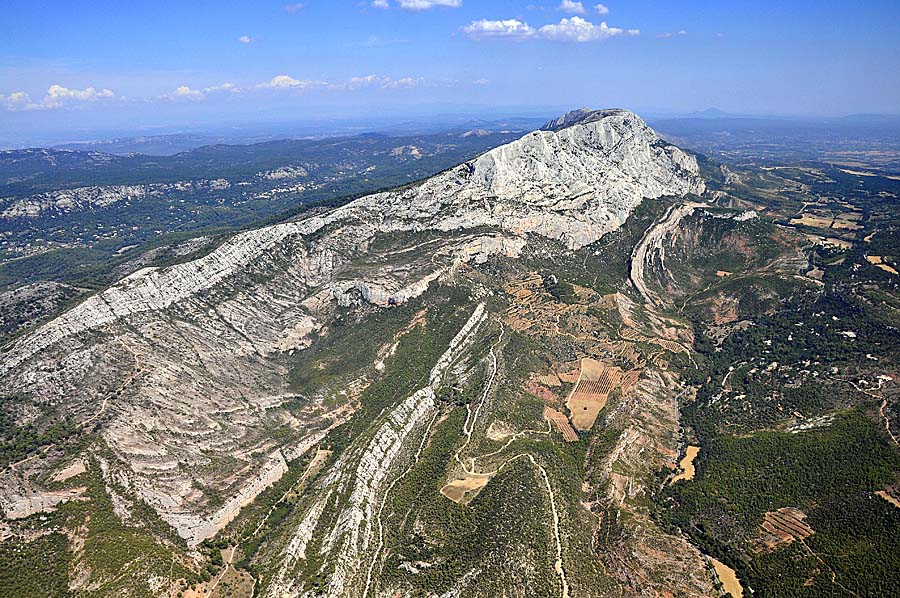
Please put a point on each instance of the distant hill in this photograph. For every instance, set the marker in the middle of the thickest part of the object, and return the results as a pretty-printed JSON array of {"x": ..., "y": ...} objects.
[{"x": 153, "y": 145}]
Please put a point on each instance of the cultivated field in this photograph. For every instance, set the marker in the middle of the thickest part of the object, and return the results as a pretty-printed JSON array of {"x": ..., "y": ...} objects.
[
  {"x": 561, "y": 422},
  {"x": 784, "y": 526},
  {"x": 595, "y": 381}
]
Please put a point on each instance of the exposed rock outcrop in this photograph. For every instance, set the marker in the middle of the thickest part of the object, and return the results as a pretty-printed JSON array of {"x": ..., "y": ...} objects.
[
  {"x": 352, "y": 535},
  {"x": 178, "y": 365},
  {"x": 86, "y": 198}
]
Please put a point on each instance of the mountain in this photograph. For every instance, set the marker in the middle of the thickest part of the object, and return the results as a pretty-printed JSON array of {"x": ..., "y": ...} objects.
[
  {"x": 86, "y": 218},
  {"x": 711, "y": 113},
  {"x": 149, "y": 145},
  {"x": 478, "y": 383}
]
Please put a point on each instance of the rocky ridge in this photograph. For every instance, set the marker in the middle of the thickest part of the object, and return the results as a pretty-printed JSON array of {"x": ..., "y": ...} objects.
[
  {"x": 176, "y": 361},
  {"x": 86, "y": 198}
]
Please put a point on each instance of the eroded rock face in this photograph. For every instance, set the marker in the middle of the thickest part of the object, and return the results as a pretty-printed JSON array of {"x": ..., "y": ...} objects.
[
  {"x": 356, "y": 533},
  {"x": 178, "y": 365},
  {"x": 86, "y": 198},
  {"x": 575, "y": 185}
]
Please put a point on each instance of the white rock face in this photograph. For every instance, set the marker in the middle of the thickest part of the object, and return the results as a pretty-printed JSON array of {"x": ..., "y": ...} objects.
[
  {"x": 573, "y": 185},
  {"x": 195, "y": 529},
  {"x": 86, "y": 198},
  {"x": 20, "y": 506},
  {"x": 176, "y": 362},
  {"x": 352, "y": 536}
]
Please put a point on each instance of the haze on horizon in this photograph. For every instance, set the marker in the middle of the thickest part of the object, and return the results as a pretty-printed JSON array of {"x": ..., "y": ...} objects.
[{"x": 76, "y": 69}]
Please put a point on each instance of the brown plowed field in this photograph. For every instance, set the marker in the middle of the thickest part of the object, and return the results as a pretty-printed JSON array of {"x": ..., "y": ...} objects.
[
  {"x": 561, "y": 422},
  {"x": 595, "y": 381},
  {"x": 784, "y": 526}
]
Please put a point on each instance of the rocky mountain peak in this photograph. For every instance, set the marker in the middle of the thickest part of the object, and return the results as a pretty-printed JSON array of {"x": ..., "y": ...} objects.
[
  {"x": 582, "y": 116},
  {"x": 266, "y": 292}
]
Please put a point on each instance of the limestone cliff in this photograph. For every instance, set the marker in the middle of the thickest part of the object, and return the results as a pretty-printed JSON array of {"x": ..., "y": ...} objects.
[{"x": 178, "y": 365}]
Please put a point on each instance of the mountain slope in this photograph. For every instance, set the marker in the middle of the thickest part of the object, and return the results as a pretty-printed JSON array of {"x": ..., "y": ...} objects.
[{"x": 208, "y": 383}]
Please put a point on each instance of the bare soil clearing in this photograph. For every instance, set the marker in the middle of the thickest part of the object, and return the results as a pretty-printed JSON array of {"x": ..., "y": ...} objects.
[
  {"x": 728, "y": 578},
  {"x": 76, "y": 468},
  {"x": 687, "y": 464},
  {"x": 464, "y": 490},
  {"x": 813, "y": 220},
  {"x": 889, "y": 498},
  {"x": 878, "y": 261}
]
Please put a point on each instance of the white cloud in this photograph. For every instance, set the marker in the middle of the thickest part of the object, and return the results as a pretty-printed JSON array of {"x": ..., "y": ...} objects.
[
  {"x": 57, "y": 97},
  {"x": 285, "y": 82},
  {"x": 288, "y": 82},
  {"x": 504, "y": 29},
  {"x": 17, "y": 100},
  {"x": 382, "y": 4},
  {"x": 246, "y": 39},
  {"x": 601, "y": 9},
  {"x": 571, "y": 7},
  {"x": 577, "y": 29},
  {"x": 404, "y": 83},
  {"x": 669, "y": 34},
  {"x": 481, "y": 82},
  {"x": 183, "y": 92},
  {"x": 426, "y": 4},
  {"x": 574, "y": 29},
  {"x": 380, "y": 81},
  {"x": 223, "y": 87},
  {"x": 292, "y": 8}
]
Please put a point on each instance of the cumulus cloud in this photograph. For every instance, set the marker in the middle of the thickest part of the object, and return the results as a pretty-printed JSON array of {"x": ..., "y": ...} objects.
[
  {"x": 503, "y": 29},
  {"x": 246, "y": 39},
  {"x": 380, "y": 81},
  {"x": 17, "y": 100},
  {"x": 426, "y": 4},
  {"x": 669, "y": 34},
  {"x": 571, "y": 7},
  {"x": 574, "y": 29},
  {"x": 382, "y": 4},
  {"x": 577, "y": 29},
  {"x": 601, "y": 9},
  {"x": 287, "y": 82},
  {"x": 185, "y": 92},
  {"x": 292, "y": 8},
  {"x": 57, "y": 97}
]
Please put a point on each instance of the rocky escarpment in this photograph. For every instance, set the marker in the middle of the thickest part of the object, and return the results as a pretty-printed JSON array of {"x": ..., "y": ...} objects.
[
  {"x": 357, "y": 527},
  {"x": 574, "y": 185},
  {"x": 85, "y": 198},
  {"x": 179, "y": 365}
]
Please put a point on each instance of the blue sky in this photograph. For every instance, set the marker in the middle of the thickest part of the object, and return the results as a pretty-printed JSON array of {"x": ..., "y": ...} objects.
[{"x": 145, "y": 64}]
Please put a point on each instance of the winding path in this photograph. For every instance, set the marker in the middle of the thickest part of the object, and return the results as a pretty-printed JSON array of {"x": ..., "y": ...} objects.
[
  {"x": 887, "y": 422},
  {"x": 468, "y": 428},
  {"x": 377, "y": 552},
  {"x": 472, "y": 418}
]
